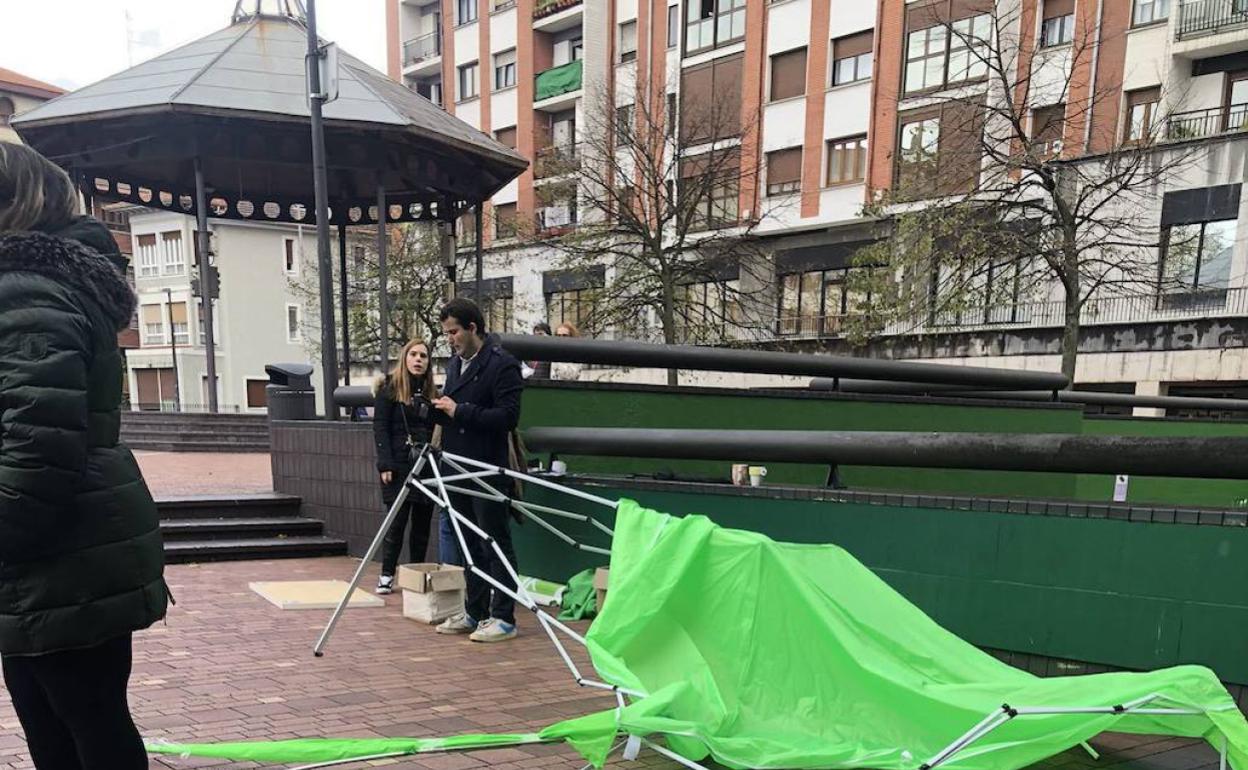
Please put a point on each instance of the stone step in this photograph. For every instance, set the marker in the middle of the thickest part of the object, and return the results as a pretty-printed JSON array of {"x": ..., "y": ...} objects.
[
  {"x": 240, "y": 549},
  {"x": 268, "y": 505},
  {"x": 177, "y": 530},
  {"x": 196, "y": 446}
]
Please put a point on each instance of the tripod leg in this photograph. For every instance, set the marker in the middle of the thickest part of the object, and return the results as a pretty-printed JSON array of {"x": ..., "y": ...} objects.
[{"x": 412, "y": 478}]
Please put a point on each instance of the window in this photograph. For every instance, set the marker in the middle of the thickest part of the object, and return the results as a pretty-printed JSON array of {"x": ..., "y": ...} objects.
[
  {"x": 715, "y": 179},
  {"x": 466, "y": 229},
  {"x": 624, "y": 125},
  {"x": 713, "y": 23},
  {"x": 7, "y": 109},
  {"x": 916, "y": 161},
  {"x": 468, "y": 82},
  {"x": 257, "y": 397},
  {"x": 816, "y": 301},
  {"x": 670, "y": 116},
  {"x": 784, "y": 171},
  {"x": 465, "y": 11},
  {"x": 216, "y": 323},
  {"x": 710, "y": 106},
  {"x": 673, "y": 26},
  {"x": 181, "y": 325},
  {"x": 628, "y": 41},
  {"x": 1058, "y": 27},
  {"x": 431, "y": 90},
  {"x": 847, "y": 160},
  {"x": 575, "y": 306},
  {"x": 506, "y": 137},
  {"x": 153, "y": 324},
  {"x": 568, "y": 46},
  {"x": 1149, "y": 11},
  {"x": 1143, "y": 114},
  {"x": 1196, "y": 257},
  {"x": 294, "y": 323},
  {"x": 1236, "y": 102},
  {"x": 946, "y": 53},
  {"x": 505, "y": 220},
  {"x": 149, "y": 263},
  {"x": 1047, "y": 126},
  {"x": 706, "y": 308},
  {"x": 498, "y": 313},
  {"x": 968, "y": 48},
  {"x": 504, "y": 69},
  {"x": 851, "y": 58},
  {"x": 291, "y": 254},
  {"x": 788, "y": 74},
  {"x": 174, "y": 256}
]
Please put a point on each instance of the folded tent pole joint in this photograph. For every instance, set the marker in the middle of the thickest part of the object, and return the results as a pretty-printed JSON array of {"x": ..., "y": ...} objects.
[{"x": 1007, "y": 712}]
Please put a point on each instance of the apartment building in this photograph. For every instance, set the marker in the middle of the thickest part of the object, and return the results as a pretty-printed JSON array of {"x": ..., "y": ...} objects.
[
  {"x": 844, "y": 94},
  {"x": 260, "y": 318}
]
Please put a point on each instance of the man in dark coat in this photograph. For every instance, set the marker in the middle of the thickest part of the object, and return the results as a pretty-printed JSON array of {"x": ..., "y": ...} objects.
[
  {"x": 481, "y": 407},
  {"x": 81, "y": 559}
]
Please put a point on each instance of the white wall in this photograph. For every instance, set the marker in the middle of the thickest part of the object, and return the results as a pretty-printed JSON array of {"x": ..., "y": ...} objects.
[
  {"x": 788, "y": 25},
  {"x": 467, "y": 43},
  {"x": 847, "y": 110},
  {"x": 784, "y": 124}
]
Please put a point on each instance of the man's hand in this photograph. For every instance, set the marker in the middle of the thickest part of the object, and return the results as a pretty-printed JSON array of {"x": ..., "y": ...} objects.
[
  {"x": 387, "y": 477},
  {"x": 445, "y": 404}
]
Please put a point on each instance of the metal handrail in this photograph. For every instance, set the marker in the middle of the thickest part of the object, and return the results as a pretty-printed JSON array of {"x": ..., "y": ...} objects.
[{"x": 1198, "y": 18}]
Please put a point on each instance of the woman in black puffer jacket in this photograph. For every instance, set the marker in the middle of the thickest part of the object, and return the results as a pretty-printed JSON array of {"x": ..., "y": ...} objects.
[
  {"x": 81, "y": 559},
  {"x": 402, "y": 421}
]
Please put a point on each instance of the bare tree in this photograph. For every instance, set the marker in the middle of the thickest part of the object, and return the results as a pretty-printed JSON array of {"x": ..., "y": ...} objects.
[
  {"x": 661, "y": 208},
  {"x": 416, "y": 287},
  {"x": 996, "y": 200}
]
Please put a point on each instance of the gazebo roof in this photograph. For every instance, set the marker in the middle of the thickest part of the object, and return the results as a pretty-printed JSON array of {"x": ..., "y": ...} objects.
[{"x": 236, "y": 98}]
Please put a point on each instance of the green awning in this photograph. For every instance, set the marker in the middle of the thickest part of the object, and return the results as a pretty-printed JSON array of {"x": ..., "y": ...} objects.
[{"x": 558, "y": 80}]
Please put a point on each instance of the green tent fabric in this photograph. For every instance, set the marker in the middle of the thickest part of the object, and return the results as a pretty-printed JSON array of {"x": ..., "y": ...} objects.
[
  {"x": 331, "y": 749},
  {"x": 580, "y": 600},
  {"x": 774, "y": 655}
]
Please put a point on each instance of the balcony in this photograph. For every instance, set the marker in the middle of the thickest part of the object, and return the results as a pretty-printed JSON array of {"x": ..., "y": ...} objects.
[
  {"x": 544, "y": 8},
  {"x": 556, "y": 220},
  {"x": 1198, "y": 18},
  {"x": 564, "y": 80},
  {"x": 422, "y": 48},
  {"x": 1146, "y": 308},
  {"x": 1211, "y": 122},
  {"x": 557, "y": 161}
]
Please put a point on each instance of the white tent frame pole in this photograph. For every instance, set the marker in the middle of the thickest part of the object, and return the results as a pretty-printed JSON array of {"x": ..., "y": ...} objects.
[{"x": 1007, "y": 713}]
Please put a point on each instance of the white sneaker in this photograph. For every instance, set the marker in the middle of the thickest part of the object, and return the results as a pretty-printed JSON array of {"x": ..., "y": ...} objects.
[
  {"x": 493, "y": 630},
  {"x": 385, "y": 585},
  {"x": 457, "y": 624}
]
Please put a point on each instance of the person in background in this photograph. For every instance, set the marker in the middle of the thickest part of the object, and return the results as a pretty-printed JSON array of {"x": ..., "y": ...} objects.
[
  {"x": 480, "y": 407},
  {"x": 402, "y": 422},
  {"x": 81, "y": 557},
  {"x": 541, "y": 369},
  {"x": 566, "y": 370}
]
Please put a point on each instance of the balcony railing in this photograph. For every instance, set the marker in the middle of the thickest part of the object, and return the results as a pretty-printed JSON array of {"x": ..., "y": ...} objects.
[
  {"x": 1216, "y": 120},
  {"x": 423, "y": 47},
  {"x": 563, "y": 79},
  {"x": 1198, "y": 18},
  {"x": 1146, "y": 308},
  {"x": 545, "y": 8},
  {"x": 557, "y": 161}
]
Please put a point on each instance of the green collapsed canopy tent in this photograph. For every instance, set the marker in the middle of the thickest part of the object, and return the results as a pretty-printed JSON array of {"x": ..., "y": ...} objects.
[{"x": 761, "y": 654}]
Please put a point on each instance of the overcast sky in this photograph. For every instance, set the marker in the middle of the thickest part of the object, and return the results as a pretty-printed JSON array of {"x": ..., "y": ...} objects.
[{"x": 76, "y": 42}]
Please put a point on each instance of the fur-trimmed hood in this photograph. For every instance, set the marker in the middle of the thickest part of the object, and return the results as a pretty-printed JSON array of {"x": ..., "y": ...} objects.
[{"x": 69, "y": 261}]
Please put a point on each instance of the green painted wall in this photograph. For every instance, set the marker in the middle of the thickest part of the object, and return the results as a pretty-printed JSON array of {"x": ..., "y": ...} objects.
[
  {"x": 584, "y": 405},
  {"x": 1212, "y": 493},
  {"x": 1126, "y": 594}
]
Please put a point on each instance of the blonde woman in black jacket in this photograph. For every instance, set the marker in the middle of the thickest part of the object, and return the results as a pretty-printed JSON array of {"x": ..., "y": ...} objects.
[{"x": 402, "y": 421}]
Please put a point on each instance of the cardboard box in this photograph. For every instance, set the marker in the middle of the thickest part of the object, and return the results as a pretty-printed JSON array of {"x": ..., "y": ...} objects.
[
  {"x": 600, "y": 585},
  {"x": 431, "y": 578},
  {"x": 432, "y": 606}
]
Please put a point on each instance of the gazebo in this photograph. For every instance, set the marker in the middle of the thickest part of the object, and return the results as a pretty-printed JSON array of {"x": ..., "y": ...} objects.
[{"x": 219, "y": 128}]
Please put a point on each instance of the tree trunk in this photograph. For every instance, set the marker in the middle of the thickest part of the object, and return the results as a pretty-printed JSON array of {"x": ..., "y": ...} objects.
[
  {"x": 1072, "y": 281},
  {"x": 669, "y": 321}
]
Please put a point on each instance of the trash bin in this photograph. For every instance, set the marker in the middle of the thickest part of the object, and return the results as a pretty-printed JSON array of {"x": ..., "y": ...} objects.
[{"x": 290, "y": 393}]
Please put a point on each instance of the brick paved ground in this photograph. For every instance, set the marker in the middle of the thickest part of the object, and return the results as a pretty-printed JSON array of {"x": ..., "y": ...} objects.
[
  {"x": 177, "y": 474},
  {"x": 230, "y": 666}
]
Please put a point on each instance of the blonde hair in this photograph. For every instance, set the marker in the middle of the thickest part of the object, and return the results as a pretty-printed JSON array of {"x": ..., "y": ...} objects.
[
  {"x": 35, "y": 194},
  {"x": 571, "y": 327},
  {"x": 401, "y": 382}
]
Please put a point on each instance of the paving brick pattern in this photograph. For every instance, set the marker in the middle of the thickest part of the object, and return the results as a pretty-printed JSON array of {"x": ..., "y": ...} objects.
[
  {"x": 229, "y": 666},
  {"x": 182, "y": 474}
]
